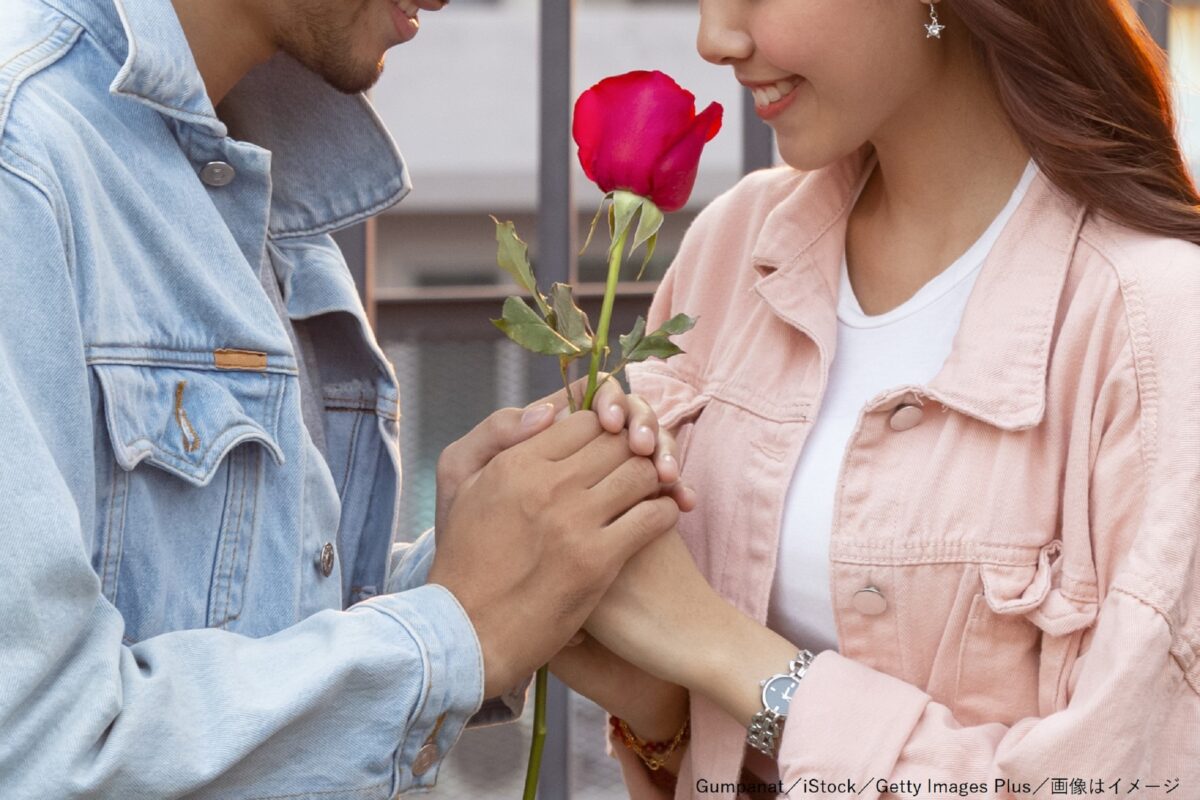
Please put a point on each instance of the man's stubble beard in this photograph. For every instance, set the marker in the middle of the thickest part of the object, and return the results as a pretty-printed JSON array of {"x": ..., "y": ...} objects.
[{"x": 324, "y": 41}]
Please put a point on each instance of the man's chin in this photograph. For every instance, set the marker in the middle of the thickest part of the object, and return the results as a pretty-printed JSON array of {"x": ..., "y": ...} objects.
[
  {"x": 344, "y": 76},
  {"x": 355, "y": 82}
]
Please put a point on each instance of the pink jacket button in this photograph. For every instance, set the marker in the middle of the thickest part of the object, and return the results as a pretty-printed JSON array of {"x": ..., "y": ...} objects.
[
  {"x": 869, "y": 601},
  {"x": 905, "y": 417}
]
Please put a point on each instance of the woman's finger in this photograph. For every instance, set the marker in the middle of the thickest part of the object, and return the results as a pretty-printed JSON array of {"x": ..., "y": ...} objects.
[
  {"x": 683, "y": 495},
  {"x": 666, "y": 457},
  {"x": 611, "y": 404},
  {"x": 643, "y": 428}
]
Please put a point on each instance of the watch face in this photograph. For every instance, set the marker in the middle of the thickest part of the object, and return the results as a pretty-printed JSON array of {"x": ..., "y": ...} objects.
[{"x": 777, "y": 694}]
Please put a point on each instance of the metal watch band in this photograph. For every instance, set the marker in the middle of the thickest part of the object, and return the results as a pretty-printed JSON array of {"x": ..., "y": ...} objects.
[{"x": 766, "y": 726}]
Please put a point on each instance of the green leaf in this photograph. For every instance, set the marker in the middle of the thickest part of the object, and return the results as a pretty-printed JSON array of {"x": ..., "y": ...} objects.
[
  {"x": 638, "y": 346},
  {"x": 569, "y": 319},
  {"x": 653, "y": 240},
  {"x": 680, "y": 323},
  {"x": 522, "y": 324},
  {"x": 648, "y": 224},
  {"x": 654, "y": 346},
  {"x": 631, "y": 340},
  {"x": 512, "y": 255},
  {"x": 626, "y": 204}
]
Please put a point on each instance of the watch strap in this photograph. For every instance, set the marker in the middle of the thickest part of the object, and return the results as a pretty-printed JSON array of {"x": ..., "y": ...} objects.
[{"x": 766, "y": 727}]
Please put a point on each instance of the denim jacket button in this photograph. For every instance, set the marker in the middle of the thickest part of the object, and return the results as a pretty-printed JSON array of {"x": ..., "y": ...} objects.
[
  {"x": 325, "y": 559},
  {"x": 424, "y": 760},
  {"x": 905, "y": 416},
  {"x": 217, "y": 173},
  {"x": 870, "y": 601}
]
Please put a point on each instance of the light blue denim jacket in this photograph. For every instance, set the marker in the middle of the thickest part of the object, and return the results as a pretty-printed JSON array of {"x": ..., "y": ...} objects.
[{"x": 169, "y": 628}]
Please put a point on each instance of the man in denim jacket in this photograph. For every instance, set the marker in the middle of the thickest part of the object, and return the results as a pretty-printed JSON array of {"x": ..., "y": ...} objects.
[{"x": 198, "y": 431}]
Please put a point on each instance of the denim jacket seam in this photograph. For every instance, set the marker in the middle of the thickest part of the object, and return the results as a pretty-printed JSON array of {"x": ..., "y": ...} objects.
[
  {"x": 55, "y": 53},
  {"x": 151, "y": 360},
  {"x": 34, "y": 174},
  {"x": 340, "y": 223},
  {"x": 374, "y": 787},
  {"x": 426, "y": 666}
]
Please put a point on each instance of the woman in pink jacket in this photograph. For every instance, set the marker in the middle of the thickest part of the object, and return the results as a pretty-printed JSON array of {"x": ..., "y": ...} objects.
[{"x": 942, "y": 413}]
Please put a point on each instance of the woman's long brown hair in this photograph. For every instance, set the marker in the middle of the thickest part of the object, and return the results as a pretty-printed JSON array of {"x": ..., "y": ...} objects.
[{"x": 1087, "y": 90}]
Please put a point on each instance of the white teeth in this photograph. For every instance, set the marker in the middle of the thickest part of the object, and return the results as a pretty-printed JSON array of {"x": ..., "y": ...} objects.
[
  {"x": 767, "y": 95},
  {"x": 408, "y": 8}
]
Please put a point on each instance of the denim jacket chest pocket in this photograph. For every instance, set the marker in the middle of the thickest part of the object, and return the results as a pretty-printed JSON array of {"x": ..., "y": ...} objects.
[{"x": 180, "y": 455}]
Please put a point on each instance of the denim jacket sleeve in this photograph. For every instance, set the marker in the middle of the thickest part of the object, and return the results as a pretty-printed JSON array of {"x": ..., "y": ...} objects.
[
  {"x": 409, "y": 567},
  {"x": 335, "y": 706}
]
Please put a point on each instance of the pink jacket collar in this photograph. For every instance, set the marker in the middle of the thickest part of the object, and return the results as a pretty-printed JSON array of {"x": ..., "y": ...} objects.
[{"x": 997, "y": 368}]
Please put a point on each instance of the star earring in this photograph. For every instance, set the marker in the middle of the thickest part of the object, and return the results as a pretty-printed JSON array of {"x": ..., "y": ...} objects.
[{"x": 933, "y": 30}]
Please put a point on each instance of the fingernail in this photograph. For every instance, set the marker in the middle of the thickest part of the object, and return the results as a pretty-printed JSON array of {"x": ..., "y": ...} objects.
[
  {"x": 645, "y": 433},
  {"x": 614, "y": 411},
  {"x": 535, "y": 415},
  {"x": 668, "y": 459}
]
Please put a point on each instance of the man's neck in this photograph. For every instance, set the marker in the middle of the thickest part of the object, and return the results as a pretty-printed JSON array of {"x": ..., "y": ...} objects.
[{"x": 228, "y": 38}]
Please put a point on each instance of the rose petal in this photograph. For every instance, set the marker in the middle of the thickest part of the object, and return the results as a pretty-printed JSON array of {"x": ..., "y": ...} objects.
[
  {"x": 624, "y": 124},
  {"x": 674, "y": 175}
]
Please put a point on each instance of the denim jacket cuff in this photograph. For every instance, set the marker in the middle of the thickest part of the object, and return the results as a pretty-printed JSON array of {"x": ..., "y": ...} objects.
[
  {"x": 453, "y": 689},
  {"x": 409, "y": 563}
]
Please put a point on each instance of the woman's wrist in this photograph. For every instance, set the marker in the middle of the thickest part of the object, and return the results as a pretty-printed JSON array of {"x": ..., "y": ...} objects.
[
  {"x": 732, "y": 657},
  {"x": 659, "y": 713}
]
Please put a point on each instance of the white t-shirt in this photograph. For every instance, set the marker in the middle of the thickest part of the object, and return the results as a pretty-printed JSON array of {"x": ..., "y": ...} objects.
[{"x": 906, "y": 345}]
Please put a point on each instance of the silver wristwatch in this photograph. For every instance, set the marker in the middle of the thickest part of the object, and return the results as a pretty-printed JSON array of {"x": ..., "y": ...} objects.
[{"x": 766, "y": 727}]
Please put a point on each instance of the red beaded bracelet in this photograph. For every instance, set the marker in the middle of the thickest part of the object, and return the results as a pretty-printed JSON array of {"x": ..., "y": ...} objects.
[{"x": 652, "y": 754}]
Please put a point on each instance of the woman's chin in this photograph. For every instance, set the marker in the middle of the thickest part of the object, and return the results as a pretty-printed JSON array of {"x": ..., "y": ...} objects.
[{"x": 808, "y": 151}]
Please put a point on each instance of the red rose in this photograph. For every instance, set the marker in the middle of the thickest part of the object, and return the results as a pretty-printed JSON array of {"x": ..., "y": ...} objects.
[{"x": 640, "y": 132}]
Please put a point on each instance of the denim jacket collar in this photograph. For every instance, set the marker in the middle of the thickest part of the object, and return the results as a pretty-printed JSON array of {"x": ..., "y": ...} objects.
[
  {"x": 334, "y": 163},
  {"x": 997, "y": 368}
]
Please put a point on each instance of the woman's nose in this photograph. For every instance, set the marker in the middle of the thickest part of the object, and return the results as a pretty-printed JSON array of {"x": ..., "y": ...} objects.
[{"x": 722, "y": 37}]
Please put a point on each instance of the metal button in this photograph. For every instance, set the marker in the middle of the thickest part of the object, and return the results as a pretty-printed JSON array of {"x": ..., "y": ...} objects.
[
  {"x": 870, "y": 601},
  {"x": 217, "y": 173},
  {"x": 325, "y": 559},
  {"x": 905, "y": 416},
  {"x": 424, "y": 760}
]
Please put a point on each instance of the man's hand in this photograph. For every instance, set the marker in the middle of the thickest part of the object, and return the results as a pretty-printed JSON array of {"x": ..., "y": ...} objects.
[
  {"x": 531, "y": 541},
  {"x": 511, "y": 426}
]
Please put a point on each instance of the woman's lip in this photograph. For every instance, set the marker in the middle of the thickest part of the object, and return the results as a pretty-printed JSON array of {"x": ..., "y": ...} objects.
[
  {"x": 775, "y": 109},
  {"x": 406, "y": 28}
]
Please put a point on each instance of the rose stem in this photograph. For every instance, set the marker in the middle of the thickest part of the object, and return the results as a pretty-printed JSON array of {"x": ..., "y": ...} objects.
[
  {"x": 610, "y": 295},
  {"x": 539, "y": 735},
  {"x": 539, "y": 696}
]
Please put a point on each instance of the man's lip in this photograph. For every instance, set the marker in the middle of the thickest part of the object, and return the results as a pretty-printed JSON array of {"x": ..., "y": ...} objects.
[{"x": 404, "y": 26}]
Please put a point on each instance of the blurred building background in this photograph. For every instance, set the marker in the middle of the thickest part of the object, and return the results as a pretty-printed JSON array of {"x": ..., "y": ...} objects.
[{"x": 462, "y": 101}]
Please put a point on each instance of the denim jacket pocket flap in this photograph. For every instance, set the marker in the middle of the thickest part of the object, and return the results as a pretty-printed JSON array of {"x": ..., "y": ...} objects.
[
  {"x": 1035, "y": 590},
  {"x": 185, "y": 421}
]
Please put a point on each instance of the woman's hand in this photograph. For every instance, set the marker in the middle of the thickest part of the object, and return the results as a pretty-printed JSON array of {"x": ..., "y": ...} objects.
[
  {"x": 660, "y": 614},
  {"x": 510, "y": 426},
  {"x": 654, "y": 709}
]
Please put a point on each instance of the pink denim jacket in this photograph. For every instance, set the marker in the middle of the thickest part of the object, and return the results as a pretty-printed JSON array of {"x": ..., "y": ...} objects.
[{"x": 1035, "y": 535}]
